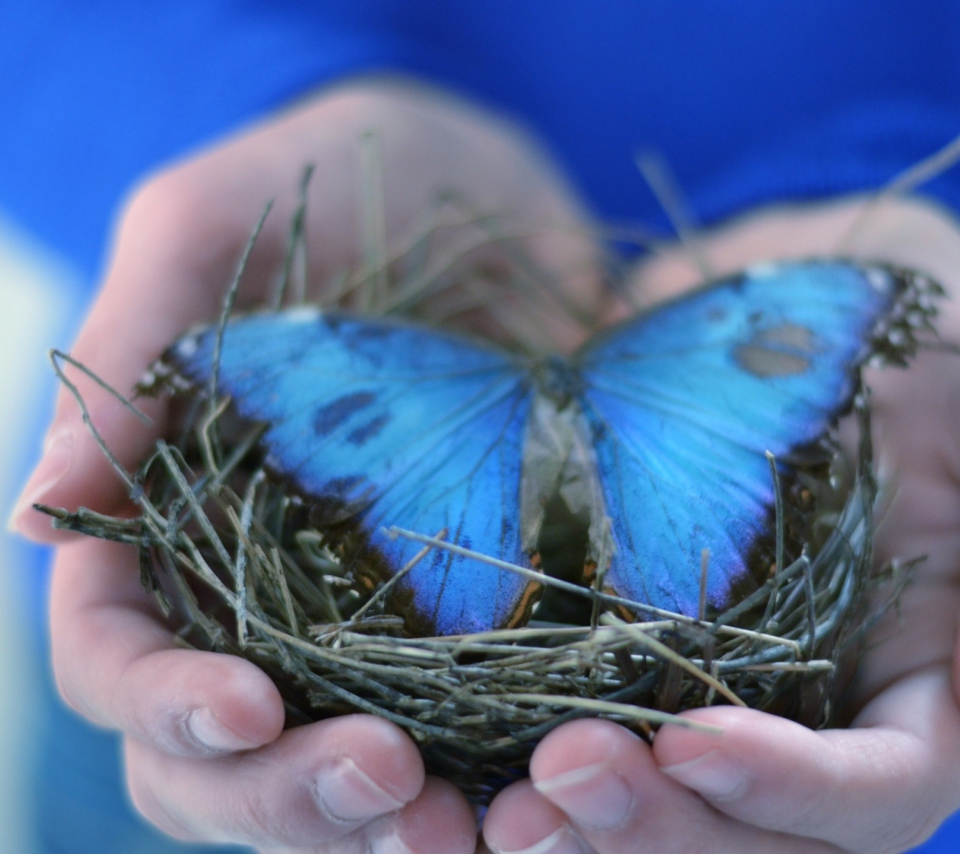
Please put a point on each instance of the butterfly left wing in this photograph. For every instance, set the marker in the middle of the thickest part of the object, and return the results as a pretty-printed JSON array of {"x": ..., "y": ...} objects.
[
  {"x": 381, "y": 424},
  {"x": 682, "y": 403}
]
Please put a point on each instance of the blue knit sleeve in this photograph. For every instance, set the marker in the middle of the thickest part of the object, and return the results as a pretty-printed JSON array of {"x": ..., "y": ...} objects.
[
  {"x": 751, "y": 102},
  {"x": 860, "y": 148},
  {"x": 95, "y": 94}
]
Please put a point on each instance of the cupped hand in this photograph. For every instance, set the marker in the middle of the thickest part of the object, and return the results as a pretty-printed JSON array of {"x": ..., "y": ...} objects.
[
  {"x": 766, "y": 784},
  {"x": 206, "y": 754}
]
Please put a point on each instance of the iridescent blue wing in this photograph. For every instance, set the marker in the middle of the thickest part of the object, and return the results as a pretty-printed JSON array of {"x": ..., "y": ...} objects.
[
  {"x": 383, "y": 424},
  {"x": 683, "y": 402}
]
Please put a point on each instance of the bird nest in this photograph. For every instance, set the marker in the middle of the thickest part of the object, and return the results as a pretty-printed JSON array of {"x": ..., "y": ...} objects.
[{"x": 236, "y": 566}]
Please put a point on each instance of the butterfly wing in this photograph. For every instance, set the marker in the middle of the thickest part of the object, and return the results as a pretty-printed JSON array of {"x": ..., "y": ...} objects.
[
  {"x": 384, "y": 424},
  {"x": 683, "y": 402}
]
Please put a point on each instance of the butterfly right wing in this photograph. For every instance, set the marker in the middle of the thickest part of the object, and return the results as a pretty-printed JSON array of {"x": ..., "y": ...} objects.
[
  {"x": 384, "y": 424},
  {"x": 683, "y": 402}
]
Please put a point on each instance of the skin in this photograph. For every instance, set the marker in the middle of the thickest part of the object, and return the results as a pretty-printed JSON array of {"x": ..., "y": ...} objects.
[{"x": 206, "y": 756}]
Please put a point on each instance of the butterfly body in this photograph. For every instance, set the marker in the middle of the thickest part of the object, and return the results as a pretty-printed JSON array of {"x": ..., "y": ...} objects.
[{"x": 655, "y": 432}]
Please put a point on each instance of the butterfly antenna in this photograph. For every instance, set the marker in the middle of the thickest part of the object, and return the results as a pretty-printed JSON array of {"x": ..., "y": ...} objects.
[
  {"x": 295, "y": 261},
  {"x": 900, "y": 185},
  {"x": 662, "y": 183}
]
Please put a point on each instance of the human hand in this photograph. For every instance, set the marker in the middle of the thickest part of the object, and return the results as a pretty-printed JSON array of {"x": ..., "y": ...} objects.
[
  {"x": 206, "y": 756},
  {"x": 767, "y": 784}
]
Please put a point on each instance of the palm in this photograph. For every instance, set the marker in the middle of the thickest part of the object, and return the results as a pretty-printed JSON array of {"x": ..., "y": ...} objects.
[{"x": 915, "y": 414}]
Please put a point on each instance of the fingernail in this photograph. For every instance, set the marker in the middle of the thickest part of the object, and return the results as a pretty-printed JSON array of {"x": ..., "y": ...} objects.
[
  {"x": 594, "y": 796},
  {"x": 562, "y": 841},
  {"x": 57, "y": 456},
  {"x": 209, "y": 732},
  {"x": 713, "y": 775},
  {"x": 390, "y": 843},
  {"x": 345, "y": 793}
]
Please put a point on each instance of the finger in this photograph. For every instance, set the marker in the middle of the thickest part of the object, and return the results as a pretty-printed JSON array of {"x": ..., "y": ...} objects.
[
  {"x": 174, "y": 257},
  {"x": 884, "y": 786},
  {"x": 615, "y": 799},
  {"x": 115, "y": 663},
  {"x": 439, "y": 821},
  {"x": 316, "y": 783},
  {"x": 522, "y": 821}
]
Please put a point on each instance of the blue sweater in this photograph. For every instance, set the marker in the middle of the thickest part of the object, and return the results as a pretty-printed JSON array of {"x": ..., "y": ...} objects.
[{"x": 749, "y": 101}]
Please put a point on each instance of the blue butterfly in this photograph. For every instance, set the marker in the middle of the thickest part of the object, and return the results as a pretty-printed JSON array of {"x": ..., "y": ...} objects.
[{"x": 656, "y": 431}]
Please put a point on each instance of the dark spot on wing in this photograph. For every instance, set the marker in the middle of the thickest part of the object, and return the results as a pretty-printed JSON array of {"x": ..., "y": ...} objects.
[
  {"x": 365, "y": 432},
  {"x": 340, "y": 486},
  {"x": 716, "y": 314},
  {"x": 763, "y": 362},
  {"x": 778, "y": 351},
  {"x": 329, "y": 417}
]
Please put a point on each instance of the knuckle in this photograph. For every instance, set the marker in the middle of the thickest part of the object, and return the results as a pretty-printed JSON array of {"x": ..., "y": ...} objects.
[
  {"x": 262, "y": 816},
  {"x": 256, "y": 818},
  {"x": 165, "y": 206},
  {"x": 70, "y": 676},
  {"x": 69, "y": 692},
  {"x": 189, "y": 224}
]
